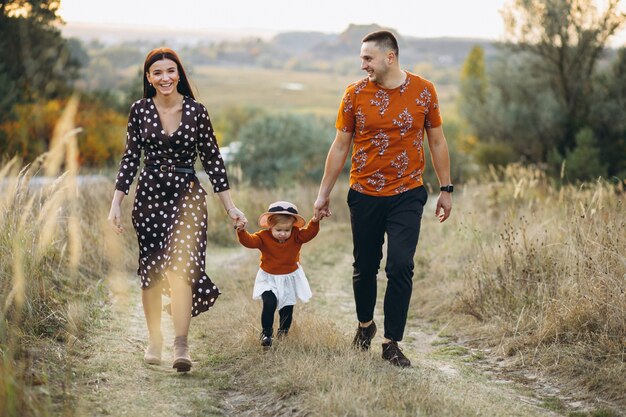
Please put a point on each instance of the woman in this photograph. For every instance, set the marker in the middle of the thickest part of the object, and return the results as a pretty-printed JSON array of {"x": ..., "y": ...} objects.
[{"x": 169, "y": 213}]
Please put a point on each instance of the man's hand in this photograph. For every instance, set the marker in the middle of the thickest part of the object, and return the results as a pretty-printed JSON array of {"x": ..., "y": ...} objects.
[{"x": 444, "y": 206}]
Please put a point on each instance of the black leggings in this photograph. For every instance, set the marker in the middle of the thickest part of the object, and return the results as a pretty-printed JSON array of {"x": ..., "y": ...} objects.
[{"x": 267, "y": 315}]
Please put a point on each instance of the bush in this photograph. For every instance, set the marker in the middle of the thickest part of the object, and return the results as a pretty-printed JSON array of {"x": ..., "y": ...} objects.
[
  {"x": 498, "y": 154},
  {"x": 283, "y": 150},
  {"x": 100, "y": 141},
  {"x": 583, "y": 163}
]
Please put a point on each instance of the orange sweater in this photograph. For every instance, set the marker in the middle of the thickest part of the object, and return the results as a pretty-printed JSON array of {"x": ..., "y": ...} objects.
[{"x": 279, "y": 258}]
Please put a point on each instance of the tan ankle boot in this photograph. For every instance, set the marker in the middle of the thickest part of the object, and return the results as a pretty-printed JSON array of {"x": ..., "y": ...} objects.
[
  {"x": 152, "y": 355},
  {"x": 182, "y": 360}
]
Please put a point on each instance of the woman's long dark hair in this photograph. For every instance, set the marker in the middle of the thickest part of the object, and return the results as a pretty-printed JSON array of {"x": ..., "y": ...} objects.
[{"x": 158, "y": 54}]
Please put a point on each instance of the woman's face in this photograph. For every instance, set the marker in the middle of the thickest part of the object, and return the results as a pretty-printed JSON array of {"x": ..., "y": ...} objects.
[
  {"x": 282, "y": 230},
  {"x": 164, "y": 76}
]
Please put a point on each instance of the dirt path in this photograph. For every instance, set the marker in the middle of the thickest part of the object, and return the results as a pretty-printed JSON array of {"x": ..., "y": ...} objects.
[{"x": 113, "y": 381}]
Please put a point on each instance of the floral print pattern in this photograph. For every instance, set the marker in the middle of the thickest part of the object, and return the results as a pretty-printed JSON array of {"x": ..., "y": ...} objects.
[
  {"x": 384, "y": 163},
  {"x": 381, "y": 141},
  {"x": 401, "y": 163},
  {"x": 381, "y": 101},
  {"x": 404, "y": 121}
]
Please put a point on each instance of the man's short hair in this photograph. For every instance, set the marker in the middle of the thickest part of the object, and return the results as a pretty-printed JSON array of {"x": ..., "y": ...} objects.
[{"x": 384, "y": 40}]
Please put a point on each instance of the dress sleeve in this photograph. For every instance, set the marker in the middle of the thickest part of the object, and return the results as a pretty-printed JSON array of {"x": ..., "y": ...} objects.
[
  {"x": 132, "y": 152},
  {"x": 209, "y": 152},
  {"x": 248, "y": 240},
  {"x": 308, "y": 232}
]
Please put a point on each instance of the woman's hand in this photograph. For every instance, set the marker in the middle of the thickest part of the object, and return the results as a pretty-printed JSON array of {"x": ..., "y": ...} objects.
[
  {"x": 115, "y": 218},
  {"x": 238, "y": 218}
]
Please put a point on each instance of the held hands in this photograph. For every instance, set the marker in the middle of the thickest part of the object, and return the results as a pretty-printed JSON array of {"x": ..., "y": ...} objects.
[
  {"x": 444, "y": 206},
  {"x": 238, "y": 218},
  {"x": 321, "y": 208}
]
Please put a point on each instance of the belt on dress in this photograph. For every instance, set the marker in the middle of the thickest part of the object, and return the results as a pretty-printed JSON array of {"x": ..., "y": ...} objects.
[{"x": 173, "y": 168}]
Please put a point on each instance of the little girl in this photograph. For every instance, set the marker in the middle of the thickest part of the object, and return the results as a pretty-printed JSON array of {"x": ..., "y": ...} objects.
[{"x": 280, "y": 278}]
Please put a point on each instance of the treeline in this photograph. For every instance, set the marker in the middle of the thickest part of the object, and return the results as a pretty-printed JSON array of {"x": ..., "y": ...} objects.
[{"x": 552, "y": 95}]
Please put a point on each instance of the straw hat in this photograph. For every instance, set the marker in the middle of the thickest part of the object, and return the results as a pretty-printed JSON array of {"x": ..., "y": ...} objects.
[{"x": 281, "y": 207}]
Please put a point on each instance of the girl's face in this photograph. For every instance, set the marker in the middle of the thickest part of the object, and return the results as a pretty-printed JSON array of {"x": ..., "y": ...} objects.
[
  {"x": 282, "y": 230},
  {"x": 163, "y": 75}
]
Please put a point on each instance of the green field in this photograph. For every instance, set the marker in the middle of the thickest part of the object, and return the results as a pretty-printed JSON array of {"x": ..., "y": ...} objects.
[{"x": 280, "y": 90}]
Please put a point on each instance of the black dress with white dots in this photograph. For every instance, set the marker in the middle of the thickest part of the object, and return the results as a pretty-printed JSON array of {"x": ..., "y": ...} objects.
[{"x": 169, "y": 212}]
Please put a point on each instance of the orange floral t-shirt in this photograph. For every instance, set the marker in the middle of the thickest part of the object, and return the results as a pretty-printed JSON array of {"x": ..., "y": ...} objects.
[{"x": 388, "y": 133}]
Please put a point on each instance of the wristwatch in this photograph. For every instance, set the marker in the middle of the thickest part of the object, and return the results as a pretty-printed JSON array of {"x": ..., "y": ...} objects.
[{"x": 447, "y": 188}]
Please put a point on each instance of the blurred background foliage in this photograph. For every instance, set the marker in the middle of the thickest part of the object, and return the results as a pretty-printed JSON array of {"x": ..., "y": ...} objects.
[{"x": 552, "y": 93}]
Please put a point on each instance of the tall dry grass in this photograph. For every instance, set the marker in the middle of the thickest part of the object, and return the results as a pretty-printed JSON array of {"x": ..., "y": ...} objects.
[
  {"x": 547, "y": 276},
  {"x": 51, "y": 270},
  {"x": 541, "y": 268}
]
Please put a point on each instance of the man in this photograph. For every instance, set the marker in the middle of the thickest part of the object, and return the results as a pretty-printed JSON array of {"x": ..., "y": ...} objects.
[{"x": 383, "y": 117}]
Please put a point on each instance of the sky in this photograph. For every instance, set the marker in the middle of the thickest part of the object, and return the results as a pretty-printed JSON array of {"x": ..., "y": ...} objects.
[{"x": 419, "y": 18}]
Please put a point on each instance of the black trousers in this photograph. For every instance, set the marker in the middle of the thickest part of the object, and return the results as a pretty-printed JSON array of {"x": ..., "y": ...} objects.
[
  {"x": 400, "y": 217},
  {"x": 267, "y": 315}
]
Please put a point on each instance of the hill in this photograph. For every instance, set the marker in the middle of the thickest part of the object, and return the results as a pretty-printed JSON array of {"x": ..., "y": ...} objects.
[{"x": 290, "y": 50}]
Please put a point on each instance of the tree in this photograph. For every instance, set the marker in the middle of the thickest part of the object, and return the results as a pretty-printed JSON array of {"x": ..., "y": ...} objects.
[
  {"x": 564, "y": 40},
  {"x": 474, "y": 80},
  {"x": 608, "y": 118},
  {"x": 473, "y": 97},
  {"x": 35, "y": 61}
]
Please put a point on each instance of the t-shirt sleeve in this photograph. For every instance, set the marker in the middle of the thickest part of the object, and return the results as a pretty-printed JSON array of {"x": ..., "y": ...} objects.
[
  {"x": 132, "y": 152},
  {"x": 433, "y": 118},
  {"x": 345, "y": 115},
  {"x": 209, "y": 152}
]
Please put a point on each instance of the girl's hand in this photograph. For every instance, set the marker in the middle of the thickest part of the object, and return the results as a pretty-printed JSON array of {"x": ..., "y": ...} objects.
[
  {"x": 238, "y": 218},
  {"x": 115, "y": 216}
]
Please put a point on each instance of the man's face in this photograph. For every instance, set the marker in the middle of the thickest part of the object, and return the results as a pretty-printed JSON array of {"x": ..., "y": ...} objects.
[{"x": 374, "y": 61}]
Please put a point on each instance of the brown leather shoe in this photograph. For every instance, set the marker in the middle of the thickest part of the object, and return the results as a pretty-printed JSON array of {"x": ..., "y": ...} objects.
[
  {"x": 182, "y": 360},
  {"x": 364, "y": 335},
  {"x": 393, "y": 354}
]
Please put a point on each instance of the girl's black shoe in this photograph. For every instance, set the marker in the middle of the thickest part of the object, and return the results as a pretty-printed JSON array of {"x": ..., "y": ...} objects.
[
  {"x": 266, "y": 341},
  {"x": 266, "y": 338}
]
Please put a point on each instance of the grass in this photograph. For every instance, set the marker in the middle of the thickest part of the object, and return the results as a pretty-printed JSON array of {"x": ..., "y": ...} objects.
[
  {"x": 51, "y": 275},
  {"x": 318, "y": 93},
  {"x": 534, "y": 270},
  {"x": 548, "y": 276}
]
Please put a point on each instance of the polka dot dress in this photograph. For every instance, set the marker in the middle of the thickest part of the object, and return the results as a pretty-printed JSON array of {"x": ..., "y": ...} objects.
[{"x": 169, "y": 212}]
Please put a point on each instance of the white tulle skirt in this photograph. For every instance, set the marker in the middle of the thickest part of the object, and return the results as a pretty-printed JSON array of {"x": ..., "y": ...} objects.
[{"x": 286, "y": 287}]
